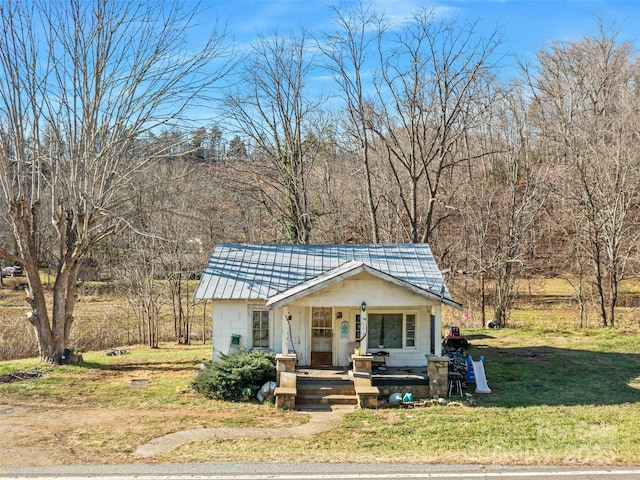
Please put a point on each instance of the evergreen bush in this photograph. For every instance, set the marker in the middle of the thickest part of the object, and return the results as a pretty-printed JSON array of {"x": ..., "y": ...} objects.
[{"x": 236, "y": 377}]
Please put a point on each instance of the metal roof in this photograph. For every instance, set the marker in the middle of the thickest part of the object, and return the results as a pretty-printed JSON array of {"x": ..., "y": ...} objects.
[{"x": 243, "y": 271}]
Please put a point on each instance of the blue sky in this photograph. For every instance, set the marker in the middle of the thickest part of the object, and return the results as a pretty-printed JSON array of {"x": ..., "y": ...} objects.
[{"x": 525, "y": 25}]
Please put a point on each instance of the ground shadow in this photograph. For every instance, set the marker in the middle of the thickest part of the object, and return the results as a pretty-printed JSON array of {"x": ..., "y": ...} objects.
[
  {"x": 522, "y": 377},
  {"x": 478, "y": 336}
]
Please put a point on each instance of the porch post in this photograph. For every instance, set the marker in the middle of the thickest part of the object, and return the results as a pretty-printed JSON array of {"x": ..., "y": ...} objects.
[
  {"x": 285, "y": 330},
  {"x": 437, "y": 313},
  {"x": 363, "y": 328}
]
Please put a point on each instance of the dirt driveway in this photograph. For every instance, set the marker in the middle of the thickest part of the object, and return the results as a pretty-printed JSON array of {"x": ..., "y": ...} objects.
[{"x": 38, "y": 434}]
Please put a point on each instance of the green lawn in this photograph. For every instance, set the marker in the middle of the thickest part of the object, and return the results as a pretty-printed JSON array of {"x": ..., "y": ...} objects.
[
  {"x": 536, "y": 367},
  {"x": 559, "y": 396}
]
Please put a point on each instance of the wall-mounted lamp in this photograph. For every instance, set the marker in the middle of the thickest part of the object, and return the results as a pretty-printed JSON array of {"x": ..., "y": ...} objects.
[{"x": 363, "y": 307}]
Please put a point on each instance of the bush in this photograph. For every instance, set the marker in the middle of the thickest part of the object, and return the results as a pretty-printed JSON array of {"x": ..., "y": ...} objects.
[{"x": 235, "y": 377}]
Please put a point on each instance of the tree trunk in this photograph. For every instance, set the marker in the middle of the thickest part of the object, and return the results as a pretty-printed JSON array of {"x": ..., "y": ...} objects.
[
  {"x": 483, "y": 300},
  {"x": 52, "y": 333},
  {"x": 613, "y": 298},
  {"x": 600, "y": 284}
]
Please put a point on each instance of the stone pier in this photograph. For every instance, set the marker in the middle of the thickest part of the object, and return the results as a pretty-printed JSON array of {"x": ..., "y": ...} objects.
[
  {"x": 367, "y": 394},
  {"x": 286, "y": 390},
  {"x": 438, "y": 372}
]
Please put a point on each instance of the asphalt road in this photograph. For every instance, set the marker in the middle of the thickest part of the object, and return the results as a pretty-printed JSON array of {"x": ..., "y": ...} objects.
[{"x": 311, "y": 471}]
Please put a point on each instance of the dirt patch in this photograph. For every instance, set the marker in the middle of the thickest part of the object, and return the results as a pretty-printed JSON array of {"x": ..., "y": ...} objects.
[
  {"x": 38, "y": 434},
  {"x": 20, "y": 376},
  {"x": 94, "y": 414}
]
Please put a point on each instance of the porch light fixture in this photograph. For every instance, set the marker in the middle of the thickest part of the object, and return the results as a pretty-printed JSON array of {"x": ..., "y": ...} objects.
[{"x": 363, "y": 307}]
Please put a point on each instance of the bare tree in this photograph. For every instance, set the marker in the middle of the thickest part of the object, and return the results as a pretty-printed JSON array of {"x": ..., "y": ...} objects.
[
  {"x": 138, "y": 280},
  {"x": 586, "y": 101},
  {"x": 347, "y": 51},
  {"x": 502, "y": 199},
  {"x": 525, "y": 183},
  {"x": 80, "y": 82},
  {"x": 432, "y": 91},
  {"x": 275, "y": 109}
]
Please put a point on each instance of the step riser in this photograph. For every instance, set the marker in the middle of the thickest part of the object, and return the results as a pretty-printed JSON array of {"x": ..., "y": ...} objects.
[
  {"x": 324, "y": 392},
  {"x": 346, "y": 390},
  {"x": 327, "y": 400}
]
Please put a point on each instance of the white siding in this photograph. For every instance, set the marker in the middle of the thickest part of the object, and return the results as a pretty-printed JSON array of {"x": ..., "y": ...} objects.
[
  {"x": 233, "y": 317},
  {"x": 228, "y": 318},
  {"x": 363, "y": 287},
  {"x": 294, "y": 332}
]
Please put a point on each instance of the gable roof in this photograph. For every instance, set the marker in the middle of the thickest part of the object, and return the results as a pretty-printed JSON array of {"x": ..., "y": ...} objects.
[{"x": 275, "y": 272}]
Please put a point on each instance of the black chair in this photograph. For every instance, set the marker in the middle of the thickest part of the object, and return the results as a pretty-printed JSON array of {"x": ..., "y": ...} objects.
[{"x": 455, "y": 383}]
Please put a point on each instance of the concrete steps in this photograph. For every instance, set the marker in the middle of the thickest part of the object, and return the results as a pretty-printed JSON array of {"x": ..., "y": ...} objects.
[{"x": 324, "y": 391}]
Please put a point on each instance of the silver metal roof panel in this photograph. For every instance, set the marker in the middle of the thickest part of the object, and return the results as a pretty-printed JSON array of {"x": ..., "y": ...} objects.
[{"x": 243, "y": 271}]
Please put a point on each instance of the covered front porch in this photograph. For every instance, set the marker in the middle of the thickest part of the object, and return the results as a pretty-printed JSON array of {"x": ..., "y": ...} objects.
[
  {"x": 362, "y": 384},
  {"x": 356, "y": 310}
]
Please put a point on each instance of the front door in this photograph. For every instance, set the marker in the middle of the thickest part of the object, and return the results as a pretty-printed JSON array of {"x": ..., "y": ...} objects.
[{"x": 321, "y": 337}]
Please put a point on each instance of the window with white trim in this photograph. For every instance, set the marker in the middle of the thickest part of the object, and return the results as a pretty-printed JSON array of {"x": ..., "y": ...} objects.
[
  {"x": 389, "y": 330},
  {"x": 410, "y": 330},
  {"x": 260, "y": 328}
]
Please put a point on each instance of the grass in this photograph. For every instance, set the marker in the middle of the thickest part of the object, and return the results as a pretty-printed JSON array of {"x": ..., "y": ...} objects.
[
  {"x": 561, "y": 367},
  {"x": 531, "y": 435},
  {"x": 560, "y": 396},
  {"x": 105, "y": 380}
]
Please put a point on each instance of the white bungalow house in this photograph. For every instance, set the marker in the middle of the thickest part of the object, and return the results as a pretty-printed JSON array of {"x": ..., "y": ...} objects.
[{"x": 321, "y": 302}]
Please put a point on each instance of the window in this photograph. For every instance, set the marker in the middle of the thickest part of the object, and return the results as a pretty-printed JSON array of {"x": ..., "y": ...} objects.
[
  {"x": 410, "y": 331},
  {"x": 387, "y": 330},
  {"x": 322, "y": 322},
  {"x": 260, "y": 328}
]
